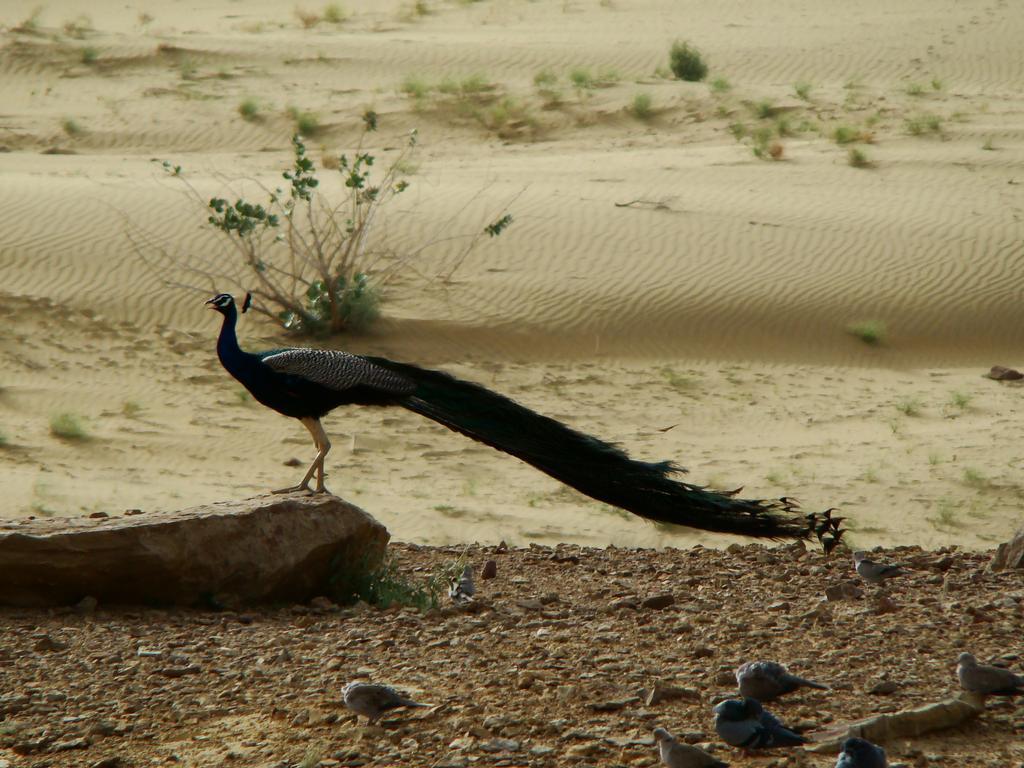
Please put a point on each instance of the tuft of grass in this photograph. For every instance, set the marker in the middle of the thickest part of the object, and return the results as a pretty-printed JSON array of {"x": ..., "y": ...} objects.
[
  {"x": 546, "y": 83},
  {"x": 68, "y": 426},
  {"x": 909, "y": 406},
  {"x": 945, "y": 514},
  {"x": 249, "y": 109},
  {"x": 960, "y": 400},
  {"x": 414, "y": 87},
  {"x": 783, "y": 127},
  {"x": 188, "y": 70},
  {"x": 385, "y": 585},
  {"x": 641, "y": 107},
  {"x": 918, "y": 125},
  {"x": 131, "y": 409},
  {"x": 306, "y": 123},
  {"x": 975, "y": 478},
  {"x": 720, "y": 85},
  {"x": 30, "y": 24},
  {"x": 738, "y": 130},
  {"x": 71, "y": 128},
  {"x": 762, "y": 143},
  {"x": 845, "y": 134},
  {"x": 915, "y": 89},
  {"x": 870, "y": 475},
  {"x": 582, "y": 80},
  {"x": 858, "y": 158},
  {"x": 3, "y": 440},
  {"x": 868, "y": 331},
  {"x": 988, "y": 146},
  {"x": 89, "y": 54},
  {"x": 334, "y": 13},
  {"x": 937, "y": 85},
  {"x": 803, "y": 90},
  {"x": 686, "y": 62},
  {"x": 934, "y": 458},
  {"x": 764, "y": 109}
]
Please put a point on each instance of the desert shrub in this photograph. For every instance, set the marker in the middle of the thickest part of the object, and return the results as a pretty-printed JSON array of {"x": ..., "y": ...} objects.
[
  {"x": 641, "y": 107},
  {"x": 686, "y": 62},
  {"x": 315, "y": 266}
]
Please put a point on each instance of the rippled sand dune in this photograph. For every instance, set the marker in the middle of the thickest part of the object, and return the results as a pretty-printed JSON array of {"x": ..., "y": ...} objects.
[{"x": 658, "y": 273}]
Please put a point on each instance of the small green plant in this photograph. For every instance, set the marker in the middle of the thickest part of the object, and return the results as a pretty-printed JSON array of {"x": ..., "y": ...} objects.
[
  {"x": 909, "y": 406},
  {"x": 311, "y": 759},
  {"x": 783, "y": 127},
  {"x": 988, "y": 146},
  {"x": 385, "y": 586},
  {"x": 975, "y": 478},
  {"x": 68, "y": 426},
  {"x": 915, "y": 89},
  {"x": 720, "y": 85},
  {"x": 945, "y": 514},
  {"x": 131, "y": 409},
  {"x": 3, "y": 440},
  {"x": 641, "y": 107},
  {"x": 764, "y": 109},
  {"x": 934, "y": 458},
  {"x": 858, "y": 158},
  {"x": 803, "y": 90},
  {"x": 188, "y": 70},
  {"x": 546, "y": 83},
  {"x": 738, "y": 130},
  {"x": 249, "y": 109},
  {"x": 243, "y": 397},
  {"x": 762, "y": 144},
  {"x": 775, "y": 478},
  {"x": 414, "y": 87},
  {"x": 845, "y": 134},
  {"x": 71, "y": 128},
  {"x": 870, "y": 475},
  {"x": 870, "y": 331},
  {"x": 306, "y": 123},
  {"x": 937, "y": 85},
  {"x": 582, "y": 80},
  {"x": 960, "y": 400},
  {"x": 686, "y": 62},
  {"x": 89, "y": 55},
  {"x": 918, "y": 125},
  {"x": 334, "y": 13}
]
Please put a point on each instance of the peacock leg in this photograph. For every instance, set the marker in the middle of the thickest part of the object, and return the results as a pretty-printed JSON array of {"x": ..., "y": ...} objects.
[
  {"x": 324, "y": 445},
  {"x": 313, "y": 425}
]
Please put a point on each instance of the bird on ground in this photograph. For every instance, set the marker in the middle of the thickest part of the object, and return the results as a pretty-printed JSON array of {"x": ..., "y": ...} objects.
[
  {"x": 872, "y": 572},
  {"x": 767, "y": 680},
  {"x": 675, "y": 754},
  {"x": 987, "y": 679},
  {"x": 306, "y": 384},
  {"x": 372, "y": 700},
  {"x": 856, "y": 752},
  {"x": 462, "y": 589},
  {"x": 749, "y": 725}
]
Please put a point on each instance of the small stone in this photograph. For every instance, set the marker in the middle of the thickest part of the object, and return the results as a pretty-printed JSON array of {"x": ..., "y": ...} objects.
[
  {"x": 292, "y": 462},
  {"x": 702, "y": 652},
  {"x": 844, "y": 591},
  {"x": 490, "y": 570},
  {"x": 113, "y": 761},
  {"x": 614, "y": 705},
  {"x": 47, "y": 644},
  {"x": 500, "y": 745},
  {"x": 323, "y": 605},
  {"x": 658, "y": 602},
  {"x": 884, "y": 688},
  {"x": 64, "y": 746},
  {"x": 525, "y": 680},
  {"x": 98, "y": 516},
  {"x": 584, "y": 750},
  {"x": 662, "y": 692}
]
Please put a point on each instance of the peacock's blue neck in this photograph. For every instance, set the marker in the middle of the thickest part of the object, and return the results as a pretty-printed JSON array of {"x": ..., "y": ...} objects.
[{"x": 227, "y": 343}]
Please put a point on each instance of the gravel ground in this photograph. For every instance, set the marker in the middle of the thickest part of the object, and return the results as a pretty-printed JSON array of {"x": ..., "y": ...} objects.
[{"x": 552, "y": 666}]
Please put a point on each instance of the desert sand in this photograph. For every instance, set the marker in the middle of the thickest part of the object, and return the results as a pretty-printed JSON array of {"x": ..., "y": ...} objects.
[{"x": 661, "y": 285}]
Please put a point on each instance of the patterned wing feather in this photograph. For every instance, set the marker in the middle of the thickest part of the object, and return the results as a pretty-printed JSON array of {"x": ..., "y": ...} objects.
[{"x": 339, "y": 370}]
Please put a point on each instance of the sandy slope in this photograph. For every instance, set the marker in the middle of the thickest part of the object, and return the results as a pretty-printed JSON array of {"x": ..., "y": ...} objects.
[{"x": 658, "y": 273}]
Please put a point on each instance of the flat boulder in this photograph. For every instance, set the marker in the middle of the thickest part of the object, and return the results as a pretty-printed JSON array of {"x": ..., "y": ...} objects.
[
  {"x": 1010, "y": 554},
  {"x": 268, "y": 548}
]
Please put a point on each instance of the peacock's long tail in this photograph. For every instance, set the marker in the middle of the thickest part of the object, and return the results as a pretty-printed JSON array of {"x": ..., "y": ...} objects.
[{"x": 596, "y": 468}]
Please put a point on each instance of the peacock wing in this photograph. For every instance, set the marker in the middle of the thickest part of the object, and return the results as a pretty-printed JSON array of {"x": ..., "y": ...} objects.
[{"x": 338, "y": 370}]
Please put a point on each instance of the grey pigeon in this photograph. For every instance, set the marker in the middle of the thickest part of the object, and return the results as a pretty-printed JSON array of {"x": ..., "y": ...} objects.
[
  {"x": 767, "y": 680},
  {"x": 373, "y": 700},
  {"x": 677, "y": 755},
  {"x": 872, "y": 572},
  {"x": 747, "y": 724},
  {"x": 462, "y": 589},
  {"x": 986, "y": 679},
  {"x": 856, "y": 752}
]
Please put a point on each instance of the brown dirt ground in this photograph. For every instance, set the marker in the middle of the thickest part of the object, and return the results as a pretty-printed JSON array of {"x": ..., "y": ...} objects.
[{"x": 551, "y": 671}]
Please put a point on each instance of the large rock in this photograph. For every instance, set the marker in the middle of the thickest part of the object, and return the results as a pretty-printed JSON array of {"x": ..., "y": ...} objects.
[
  {"x": 268, "y": 548},
  {"x": 1010, "y": 554}
]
